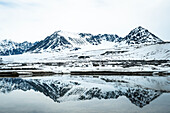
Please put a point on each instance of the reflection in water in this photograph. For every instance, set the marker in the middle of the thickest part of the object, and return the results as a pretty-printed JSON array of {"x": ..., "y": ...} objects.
[{"x": 62, "y": 89}]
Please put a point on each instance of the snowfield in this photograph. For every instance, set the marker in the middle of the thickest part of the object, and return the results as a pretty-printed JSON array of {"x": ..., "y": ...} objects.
[
  {"x": 144, "y": 58},
  {"x": 151, "y": 52}
]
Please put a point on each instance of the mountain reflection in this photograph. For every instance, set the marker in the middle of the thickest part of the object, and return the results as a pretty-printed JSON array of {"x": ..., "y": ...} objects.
[{"x": 61, "y": 91}]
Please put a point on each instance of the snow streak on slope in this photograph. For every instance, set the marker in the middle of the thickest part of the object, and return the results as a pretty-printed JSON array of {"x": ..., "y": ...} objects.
[{"x": 74, "y": 38}]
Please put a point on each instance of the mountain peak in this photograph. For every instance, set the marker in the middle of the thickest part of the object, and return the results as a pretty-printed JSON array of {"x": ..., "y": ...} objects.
[
  {"x": 6, "y": 40},
  {"x": 140, "y": 27},
  {"x": 57, "y": 31},
  {"x": 63, "y": 31},
  {"x": 141, "y": 35}
]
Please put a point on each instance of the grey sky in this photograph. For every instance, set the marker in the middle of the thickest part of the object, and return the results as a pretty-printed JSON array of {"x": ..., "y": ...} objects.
[{"x": 33, "y": 20}]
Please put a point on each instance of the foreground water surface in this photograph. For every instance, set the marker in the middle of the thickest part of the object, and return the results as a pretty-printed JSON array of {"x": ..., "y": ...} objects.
[{"x": 85, "y": 94}]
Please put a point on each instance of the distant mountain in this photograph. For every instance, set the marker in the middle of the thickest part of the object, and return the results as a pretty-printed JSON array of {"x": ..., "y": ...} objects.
[
  {"x": 61, "y": 40},
  {"x": 8, "y": 47}
]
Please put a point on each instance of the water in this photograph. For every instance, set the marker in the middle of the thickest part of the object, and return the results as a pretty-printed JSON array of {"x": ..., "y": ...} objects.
[{"x": 67, "y": 94}]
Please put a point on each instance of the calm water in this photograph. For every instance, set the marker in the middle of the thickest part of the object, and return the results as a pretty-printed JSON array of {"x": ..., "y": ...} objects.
[{"x": 83, "y": 95}]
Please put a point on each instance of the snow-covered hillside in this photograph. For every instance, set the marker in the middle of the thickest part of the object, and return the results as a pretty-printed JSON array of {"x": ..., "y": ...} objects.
[
  {"x": 152, "y": 58},
  {"x": 150, "y": 52}
]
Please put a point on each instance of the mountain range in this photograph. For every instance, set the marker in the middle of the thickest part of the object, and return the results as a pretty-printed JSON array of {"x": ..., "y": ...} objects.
[{"x": 61, "y": 40}]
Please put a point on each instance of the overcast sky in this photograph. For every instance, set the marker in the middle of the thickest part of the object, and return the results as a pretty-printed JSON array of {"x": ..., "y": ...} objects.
[{"x": 33, "y": 20}]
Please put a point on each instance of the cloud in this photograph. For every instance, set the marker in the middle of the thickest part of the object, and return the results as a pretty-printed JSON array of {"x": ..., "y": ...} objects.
[
  {"x": 7, "y": 4},
  {"x": 33, "y": 20},
  {"x": 4, "y": 3}
]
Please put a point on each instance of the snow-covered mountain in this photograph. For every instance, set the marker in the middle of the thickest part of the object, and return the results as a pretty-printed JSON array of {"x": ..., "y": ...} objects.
[
  {"x": 61, "y": 40},
  {"x": 141, "y": 35},
  {"x": 8, "y": 47}
]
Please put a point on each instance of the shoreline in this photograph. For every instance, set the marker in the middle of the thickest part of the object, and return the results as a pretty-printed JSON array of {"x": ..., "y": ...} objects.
[{"x": 33, "y": 73}]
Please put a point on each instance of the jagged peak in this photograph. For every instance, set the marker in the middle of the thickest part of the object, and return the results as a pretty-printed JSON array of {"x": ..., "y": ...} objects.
[
  {"x": 138, "y": 29},
  {"x": 9, "y": 40},
  {"x": 58, "y": 31},
  {"x": 63, "y": 31},
  {"x": 141, "y": 35},
  {"x": 6, "y": 40}
]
